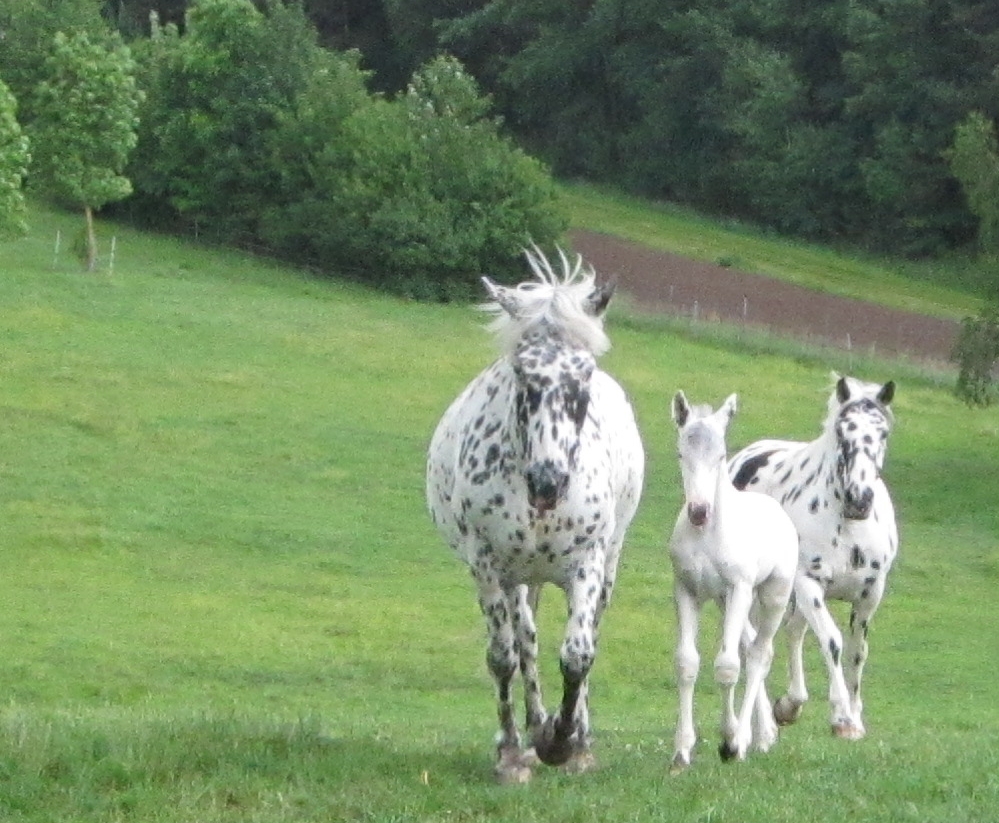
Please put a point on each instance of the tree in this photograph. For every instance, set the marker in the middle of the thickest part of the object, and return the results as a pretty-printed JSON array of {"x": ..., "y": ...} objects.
[
  {"x": 14, "y": 159},
  {"x": 85, "y": 125},
  {"x": 974, "y": 161}
]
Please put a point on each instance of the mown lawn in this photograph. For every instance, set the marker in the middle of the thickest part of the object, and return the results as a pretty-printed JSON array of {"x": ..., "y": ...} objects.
[{"x": 223, "y": 600}]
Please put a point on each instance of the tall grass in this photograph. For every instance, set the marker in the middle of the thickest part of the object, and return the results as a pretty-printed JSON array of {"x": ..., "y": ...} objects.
[{"x": 223, "y": 600}]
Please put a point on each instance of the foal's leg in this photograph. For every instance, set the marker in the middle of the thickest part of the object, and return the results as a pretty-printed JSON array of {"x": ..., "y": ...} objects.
[
  {"x": 687, "y": 662},
  {"x": 501, "y": 658},
  {"x": 810, "y": 600},
  {"x": 737, "y": 732},
  {"x": 765, "y": 731},
  {"x": 855, "y": 649},
  {"x": 771, "y": 601},
  {"x": 559, "y": 739}
]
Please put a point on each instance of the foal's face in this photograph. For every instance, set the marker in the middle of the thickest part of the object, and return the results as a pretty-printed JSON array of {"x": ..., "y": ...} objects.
[
  {"x": 702, "y": 453},
  {"x": 553, "y": 395}
]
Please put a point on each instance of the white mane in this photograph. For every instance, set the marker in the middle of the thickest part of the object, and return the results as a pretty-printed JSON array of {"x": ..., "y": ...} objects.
[{"x": 560, "y": 299}]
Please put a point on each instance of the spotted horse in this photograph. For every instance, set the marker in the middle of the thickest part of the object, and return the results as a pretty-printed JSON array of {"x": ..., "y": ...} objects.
[
  {"x": 533, "y": 476},
  {"x": 848, "y": 538}
]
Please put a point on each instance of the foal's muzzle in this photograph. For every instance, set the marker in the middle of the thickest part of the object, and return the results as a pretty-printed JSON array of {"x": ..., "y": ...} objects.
[
  {"x": 546, "y": 485},
  {"x": 697, "y": 513}
]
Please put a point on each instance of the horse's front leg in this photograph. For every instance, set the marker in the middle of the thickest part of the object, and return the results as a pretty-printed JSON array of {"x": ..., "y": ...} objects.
[
  {"x": 737, "y": 731},
  {"x": 501, "y": 658},
  {"x": 562, "y": 736},
  {"x": 855, "y": 649},
  {"x": 810, "y": 599},
  {"x": 686, "y": 661},
  {"x": 525, "y": 628}
]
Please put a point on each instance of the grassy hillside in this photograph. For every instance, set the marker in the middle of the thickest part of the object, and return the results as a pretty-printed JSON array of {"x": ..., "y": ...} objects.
[
  {"x": 223, "y": 600},
  {"x": 950, "y": 289}
]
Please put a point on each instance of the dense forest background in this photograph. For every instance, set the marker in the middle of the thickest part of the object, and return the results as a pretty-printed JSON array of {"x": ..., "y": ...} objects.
[
  {"x": 832, "y": 120},
  {"x": 827, "y": 119}
]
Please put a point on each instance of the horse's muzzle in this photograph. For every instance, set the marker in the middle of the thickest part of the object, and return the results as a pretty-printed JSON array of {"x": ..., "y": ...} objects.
[
  {"x": 858, "y": 507},
  {"x": 546, "y": 486},
  {"x": 697, "y": 513}
]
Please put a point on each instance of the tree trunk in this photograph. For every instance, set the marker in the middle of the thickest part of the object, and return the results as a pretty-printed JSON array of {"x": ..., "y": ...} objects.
[{"x": 91, "y": 239}]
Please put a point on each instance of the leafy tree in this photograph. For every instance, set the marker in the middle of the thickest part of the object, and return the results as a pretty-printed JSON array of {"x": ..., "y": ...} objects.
[
  {"x": 85, "y": 122},
  {"x": 14, "y": 159},
  {"x": 974, "y": 160},
  {"x": 27, "y": 28},
  {"x": 214, "y": 96},
  {"x": 977, "y": 353}
]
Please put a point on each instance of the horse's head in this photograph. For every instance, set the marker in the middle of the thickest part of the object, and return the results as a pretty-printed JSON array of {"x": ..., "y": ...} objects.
[
  {"x": 553, "y": 331},
  {"x": 702, "y": 453},
  {"x": 861, "y": 420}
]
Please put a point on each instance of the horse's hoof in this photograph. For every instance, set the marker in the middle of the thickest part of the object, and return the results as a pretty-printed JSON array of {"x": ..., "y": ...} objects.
[
  {"x": 680, "y": 764},
  {"x": 553, "y": 747},
  {"x": 787, "y": 711},
  {"x": 580, "y": 762},
  {"x": 764, "y": 740},
  {"x": 729, "y": 751},
  {"x": 847, "y": 730},
  {"x": 512, "y": 768}
]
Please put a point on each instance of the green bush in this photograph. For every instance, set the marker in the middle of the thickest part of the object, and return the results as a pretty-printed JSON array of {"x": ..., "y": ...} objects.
[
  {"x": 421, "y": 195},
  {"x": 976, "y": 353},
  {"x": 253, "y": 133}
]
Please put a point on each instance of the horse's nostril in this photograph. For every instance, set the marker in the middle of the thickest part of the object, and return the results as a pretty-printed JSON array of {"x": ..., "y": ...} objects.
[
  {"x": 697, "y": 513},
  {"x": 546, "y": 485}
]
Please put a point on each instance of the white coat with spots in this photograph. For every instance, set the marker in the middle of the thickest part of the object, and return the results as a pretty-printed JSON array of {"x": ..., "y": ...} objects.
[
  {"x": 833, "y": 491},
  {"x": 740, "y": 550},
  {"x": 533, "y": 475}
]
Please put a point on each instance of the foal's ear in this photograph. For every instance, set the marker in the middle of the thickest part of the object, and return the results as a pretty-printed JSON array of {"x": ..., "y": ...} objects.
[
  {"x": 681, "y": 409},
  {"x": 599, "y": 298},
  {"x": 730, "y": 406},
  {"x": 886, "y": 393},
  {"x": 502, "y": 295}
]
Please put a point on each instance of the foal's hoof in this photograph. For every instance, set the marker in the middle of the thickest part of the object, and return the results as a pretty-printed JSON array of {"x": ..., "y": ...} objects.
[
  {"x": 728, "y": 751},
  {"x": 680, "y": 764},
  {"x": 848, "y": 730},
  {"x": 787, "y": 711},
  {"x": 552, "y": 746}
]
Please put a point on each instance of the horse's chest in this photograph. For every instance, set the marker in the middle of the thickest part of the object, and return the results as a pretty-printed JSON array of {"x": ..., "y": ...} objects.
[
  {"x": 547, "y": 550},
  {"x": 704, "y": 574}
]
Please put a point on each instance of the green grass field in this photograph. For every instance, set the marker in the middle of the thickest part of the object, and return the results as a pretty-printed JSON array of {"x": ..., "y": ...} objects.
[{"x": 222, "y": 599}]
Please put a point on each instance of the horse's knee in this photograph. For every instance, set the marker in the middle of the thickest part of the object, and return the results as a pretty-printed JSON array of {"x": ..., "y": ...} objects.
[
  {"x": 727, "y": 669},
  {"x": 686, "y": 663}
]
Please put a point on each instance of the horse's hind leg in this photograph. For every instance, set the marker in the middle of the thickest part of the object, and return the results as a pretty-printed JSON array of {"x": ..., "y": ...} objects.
[
  {"x": 501, "y": 658},
  {"x": 765, "y": 731},
  {"x": 787, "y": 708},
  {"x": 769, "y": 606}
]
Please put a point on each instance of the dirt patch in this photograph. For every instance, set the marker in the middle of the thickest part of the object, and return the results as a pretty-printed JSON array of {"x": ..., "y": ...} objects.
[{"x": 660, "y": 281}]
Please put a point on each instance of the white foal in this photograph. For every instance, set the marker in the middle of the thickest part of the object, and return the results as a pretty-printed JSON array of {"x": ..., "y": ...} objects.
[{"x": 739, "y": 549}]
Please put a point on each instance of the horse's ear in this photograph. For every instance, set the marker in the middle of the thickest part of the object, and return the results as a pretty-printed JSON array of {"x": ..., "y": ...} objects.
[
  {"x": 600, "y": 297},
  {"x": 681, "y": 409},
  {"x": 730, "y": 406},
  {"x": 886, "y": 393},
  {"x": 502, "y": 295},
  {"x": 842, "y": 390}
]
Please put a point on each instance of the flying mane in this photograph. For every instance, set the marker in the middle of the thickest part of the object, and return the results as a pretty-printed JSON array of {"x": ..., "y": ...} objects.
[{"x": 561, "y": 300}]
